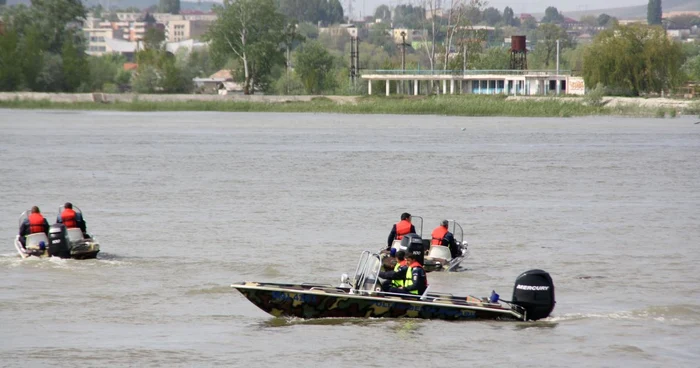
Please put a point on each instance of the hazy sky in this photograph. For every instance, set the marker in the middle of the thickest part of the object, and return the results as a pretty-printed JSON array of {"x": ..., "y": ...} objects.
[{"x": 519, "y": 6}]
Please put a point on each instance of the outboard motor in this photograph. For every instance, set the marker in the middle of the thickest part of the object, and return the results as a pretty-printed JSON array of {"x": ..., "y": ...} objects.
[
  {"x": 534, "y": 291},
  {"x": 414, "y": 245},
  {"x": 58, "y": 238}
]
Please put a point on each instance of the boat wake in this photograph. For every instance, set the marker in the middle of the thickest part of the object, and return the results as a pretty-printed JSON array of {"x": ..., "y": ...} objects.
[{"x": 669, "y": 313}]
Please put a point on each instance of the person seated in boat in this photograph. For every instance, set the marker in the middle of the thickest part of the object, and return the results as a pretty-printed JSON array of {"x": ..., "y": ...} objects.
[
  {"x": 34, "y": 223},
  {"x": 400, "y": 229},
  {"x": 442, "y": 236},
  {"x": 395, "y": 278},
  {"x": 71, "y": 219},
  {"x": 415, "y": 281}
]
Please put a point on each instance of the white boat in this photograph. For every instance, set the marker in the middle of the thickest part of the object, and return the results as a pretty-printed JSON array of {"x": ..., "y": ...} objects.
[
  {"x": 61, "y": 242},
  {"x": 435, "y": 257}
]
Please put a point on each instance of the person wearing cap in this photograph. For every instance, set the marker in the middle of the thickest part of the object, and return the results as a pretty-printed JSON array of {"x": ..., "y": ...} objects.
[
  {"x": 396, "y": 277},
  {"x": 415, "y": 280},
  {"x": 400, "y": 229},
  {"x": 34, "y": 223},
  {"x": 442, "y": 236},
  {"x": 72, "y": 219}
]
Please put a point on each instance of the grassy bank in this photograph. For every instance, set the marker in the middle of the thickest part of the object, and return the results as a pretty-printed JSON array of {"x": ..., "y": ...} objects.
[{"x": 465, "y": 105}]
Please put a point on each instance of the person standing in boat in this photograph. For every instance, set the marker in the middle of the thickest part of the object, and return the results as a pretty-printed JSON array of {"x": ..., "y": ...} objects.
[
  {"x": 415, "y": 281},
  {"x": 396, "y": 277},
  {"x": 34, "y": 223},
  {"x": 72, "y": 219},
  {"x": 442, "y": 236},
  {"x": 400, "y": 229}
]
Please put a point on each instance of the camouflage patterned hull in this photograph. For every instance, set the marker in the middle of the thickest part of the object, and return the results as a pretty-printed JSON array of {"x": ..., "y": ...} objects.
[{"x": 323, "y": 301}]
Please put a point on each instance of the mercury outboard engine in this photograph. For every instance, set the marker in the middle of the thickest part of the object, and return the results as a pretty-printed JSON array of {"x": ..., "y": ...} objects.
[
  {"x": 534, "y": 291},
  {"x": 59, "y": 245},
  {"x": 414, "y": 245}
]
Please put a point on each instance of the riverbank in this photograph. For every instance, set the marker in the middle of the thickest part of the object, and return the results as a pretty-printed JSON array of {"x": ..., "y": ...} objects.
[{"x": 458, "y": 105}]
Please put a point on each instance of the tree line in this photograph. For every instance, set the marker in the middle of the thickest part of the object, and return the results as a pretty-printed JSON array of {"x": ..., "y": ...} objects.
[{"x": 271, "y": 51}]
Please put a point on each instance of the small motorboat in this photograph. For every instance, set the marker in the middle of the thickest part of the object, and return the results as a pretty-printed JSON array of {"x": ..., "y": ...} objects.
[
  {"x": 361, "y": 297},
  {"x": 434, "y": 257},
  {"x": 61, "y": 242}
]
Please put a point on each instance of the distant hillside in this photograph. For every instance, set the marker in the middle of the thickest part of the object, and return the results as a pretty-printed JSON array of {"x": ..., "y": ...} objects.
[
  {"x": 141, "y": 4},
  {"x": 636, "y": 12}
]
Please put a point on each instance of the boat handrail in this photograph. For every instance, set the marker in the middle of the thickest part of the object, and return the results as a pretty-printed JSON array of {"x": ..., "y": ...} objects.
[
  {"x": 316, "y": 285},
  {"x": 328, "y": 289},
  {"x": 425, "y": 293}
]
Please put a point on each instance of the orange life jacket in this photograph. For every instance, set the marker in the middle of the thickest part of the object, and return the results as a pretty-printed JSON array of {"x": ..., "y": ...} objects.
[
  {"x": 68, "y": 218},
  {"x": 438, "y": 235},
  {"x": 36, "y": 223},
  {"x": 403, "y": 228}
]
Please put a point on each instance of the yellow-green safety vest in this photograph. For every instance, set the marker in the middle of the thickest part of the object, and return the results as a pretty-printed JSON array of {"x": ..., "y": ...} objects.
[
  {"x": 397, "y": 283},
  {"x": 409, "y": 280}
]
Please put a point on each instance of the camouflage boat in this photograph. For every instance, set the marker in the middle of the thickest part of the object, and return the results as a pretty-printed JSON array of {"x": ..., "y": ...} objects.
[{"x": 361, "y": 297}]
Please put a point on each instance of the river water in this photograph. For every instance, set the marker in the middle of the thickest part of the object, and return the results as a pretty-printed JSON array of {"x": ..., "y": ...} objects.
[{"x": 184, "y": 204}]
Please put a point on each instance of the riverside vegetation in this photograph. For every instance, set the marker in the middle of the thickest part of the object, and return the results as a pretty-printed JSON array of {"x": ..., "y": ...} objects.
[{"x": 460, "y": 105}]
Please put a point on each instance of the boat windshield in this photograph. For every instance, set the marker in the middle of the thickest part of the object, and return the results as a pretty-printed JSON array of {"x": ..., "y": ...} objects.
[
  {"x": 75, "y": 208},
  {"x": 367, "y": 272},
  {"x": 24, "y": 217},
  {"x": 417, "y": 222},
  {"x": 456, "y": 230}
]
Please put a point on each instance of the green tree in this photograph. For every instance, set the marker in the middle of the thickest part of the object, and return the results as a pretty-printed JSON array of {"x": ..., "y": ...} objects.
[
  {"x": 104, "y": 70},
  {"x": 10, "y": 62},
  {"x": 314, "y": 11},
  {"x": 153, "y": 38},
  {"x": 382, "y": 12},
  {"x": 252, "y": 32},
  {"x": 548, "y": 34},
  {"x": 54, "y": 17},
  {"x": 75, "y": 67},
  {"x": 508, "y": 16},
  {"x": 552, "y": 15},
  {"x": 635, "y": 58},
  {"x": 169, "y": 6},
  {"x": 313, "y": 64},
  {"x": 409, "y": 16},
  {"x": 654, "y": 12},
  {"x": 604, "y": 20},
  {"x": 32, "y": 56},
  {"x": 492, "y": 16},
  {"x": 692, "y": 68}
]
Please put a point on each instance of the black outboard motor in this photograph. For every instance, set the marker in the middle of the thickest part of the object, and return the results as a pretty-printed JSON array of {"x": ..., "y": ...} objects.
[
  {"x": 58, "y": 238},
  {"x": 534, "y": 291},
  {"x": 414, "y": 245}
]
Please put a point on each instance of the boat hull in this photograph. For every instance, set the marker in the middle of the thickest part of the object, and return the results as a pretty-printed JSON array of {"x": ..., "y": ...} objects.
[
  {"x": 84, "y": 249},
  {"x": 307, "y": 302}
]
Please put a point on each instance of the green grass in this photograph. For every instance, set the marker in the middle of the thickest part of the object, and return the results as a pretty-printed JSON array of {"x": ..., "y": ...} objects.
[{"x": 412, "y": 105}]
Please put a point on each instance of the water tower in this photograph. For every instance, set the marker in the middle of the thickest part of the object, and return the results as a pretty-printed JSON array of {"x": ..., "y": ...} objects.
[{"x": 518, "y": 53}]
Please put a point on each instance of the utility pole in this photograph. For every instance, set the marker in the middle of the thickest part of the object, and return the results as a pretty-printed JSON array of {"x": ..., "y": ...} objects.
[
  {"x": 403, "y": 58},
  {"x": 464, "y": 62},
  {"x": 558, "y": 82}
]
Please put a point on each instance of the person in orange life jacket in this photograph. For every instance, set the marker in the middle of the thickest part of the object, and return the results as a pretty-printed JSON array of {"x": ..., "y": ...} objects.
[
  {"x": 402, "y": 228},
  {"x": 34, "y": 223},
  {"x": 71, "y": 219},
  {"x": 395, "y": 277},
  {"x": 415, "y": 281},
  {"x": 442, "y": 236}
]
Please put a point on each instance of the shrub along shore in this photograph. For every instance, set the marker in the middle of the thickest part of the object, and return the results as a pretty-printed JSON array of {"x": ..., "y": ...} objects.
[{"x": 460, "y": 105}]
